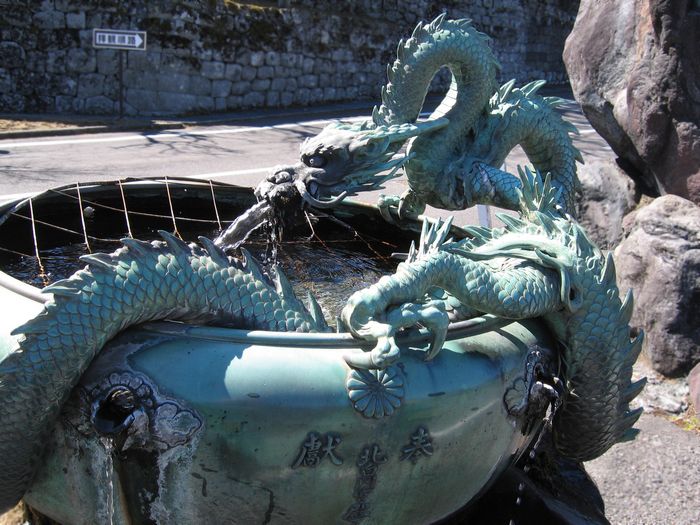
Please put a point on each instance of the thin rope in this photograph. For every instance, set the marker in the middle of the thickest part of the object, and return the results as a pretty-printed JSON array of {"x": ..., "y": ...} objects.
[
  {"x": 213, "y": 199},
  {"x": 82, "y": 217},
  {"x": 42, "y": 272},
  {"x": 126, "y": 213},
  {"x": 172, "y": 212},
  {"x": 61, "y": 228},
  {"x": 132, "y": 212}
]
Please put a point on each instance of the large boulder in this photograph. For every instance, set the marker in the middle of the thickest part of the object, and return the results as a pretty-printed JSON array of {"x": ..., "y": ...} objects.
[
  {"x": 660, "y": 260},
  {"x": 607, "y": 195},
  {"x": 634, "y": 67}
]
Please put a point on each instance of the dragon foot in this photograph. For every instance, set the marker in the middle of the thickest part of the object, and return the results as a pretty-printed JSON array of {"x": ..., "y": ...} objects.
[
  {"x": 431, "y": 315},
  {"x": 406, "y": 206}
]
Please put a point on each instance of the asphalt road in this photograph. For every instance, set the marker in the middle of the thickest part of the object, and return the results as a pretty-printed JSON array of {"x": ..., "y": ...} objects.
[{"x": 240, "y": 153}]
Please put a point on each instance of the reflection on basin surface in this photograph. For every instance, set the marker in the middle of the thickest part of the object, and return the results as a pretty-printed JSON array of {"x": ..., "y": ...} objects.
[{"x": 175, "y": 423}]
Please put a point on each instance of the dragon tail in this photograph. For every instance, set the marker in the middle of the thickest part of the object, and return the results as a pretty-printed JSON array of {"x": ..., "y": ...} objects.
[{"x": 139, "y": 282}]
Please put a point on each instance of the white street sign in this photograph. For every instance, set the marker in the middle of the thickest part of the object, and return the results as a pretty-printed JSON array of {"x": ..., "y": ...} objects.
[{"x": 119, "y": 39}]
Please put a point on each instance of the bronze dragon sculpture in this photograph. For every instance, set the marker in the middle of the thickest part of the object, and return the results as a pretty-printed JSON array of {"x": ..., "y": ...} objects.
[{"x": 540, "y": 265}]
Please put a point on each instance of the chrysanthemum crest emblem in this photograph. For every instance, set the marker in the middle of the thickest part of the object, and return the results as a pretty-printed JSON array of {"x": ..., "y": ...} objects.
[{"x": 376, "y": 393}]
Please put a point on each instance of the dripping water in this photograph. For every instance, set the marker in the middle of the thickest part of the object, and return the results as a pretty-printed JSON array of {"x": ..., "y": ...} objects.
[
  {"x": 532, "y": 455},
  {"x": 245, "y": 224},
  {"x": 106, "y": 480}
]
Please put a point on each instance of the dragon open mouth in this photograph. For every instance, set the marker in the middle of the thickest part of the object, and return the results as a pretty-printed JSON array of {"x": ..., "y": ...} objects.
[{"x": 366, "y": 179}]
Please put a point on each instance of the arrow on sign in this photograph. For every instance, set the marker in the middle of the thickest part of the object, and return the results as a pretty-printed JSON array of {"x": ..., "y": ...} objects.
[{"x": 119, "y": 39}]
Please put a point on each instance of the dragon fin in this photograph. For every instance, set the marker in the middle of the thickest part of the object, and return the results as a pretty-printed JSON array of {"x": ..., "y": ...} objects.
[
  {"x": 317, "y": 313},
  {"x": 412, "y": 253},
  {"x": 63, "y": 287},
  {"x": 174, "y": 244},
  {"x": 251, "y": 265},
  {"x": 400, "y": 53},
  {"x": 636, "y": 347},
  {"x": 217, "y": 254},
  {"x": 282, "y": 284},
  {"x": 141, "y": 248},
  {"x": 513, "y": 223},
  {"x": 533, "y": 87},
  {"x": 479, "y": 232},
  {"x": 437, "y": 23},
  {"x": 102, "y": 260},
  {"x": 627, "y": 307},
  {"x": 505, "y": 90},
  {"x": 609, "y": 274},
  {"x": 417, "y": 29},
  {"x": 554, "y": 101},
  {"x": 632, "y": 391},
  {"x": 630, "y": 418},
  {"x": 570, "y": 127}
]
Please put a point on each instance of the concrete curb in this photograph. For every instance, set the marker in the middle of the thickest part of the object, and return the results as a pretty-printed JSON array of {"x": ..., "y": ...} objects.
[
  {"x": 181, "y": 122},
  {"x": 363, "y": 107},
  {"x": 79, "y": 130}
]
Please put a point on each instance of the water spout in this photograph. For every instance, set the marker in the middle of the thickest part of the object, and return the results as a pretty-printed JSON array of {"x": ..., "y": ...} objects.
[{"x": 244, "y": 225}]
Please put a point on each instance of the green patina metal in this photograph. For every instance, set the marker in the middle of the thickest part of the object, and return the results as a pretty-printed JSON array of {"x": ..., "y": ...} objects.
[
  {"x": 140, "y": 282},
  {"x": 453, "y": 159},
  {"x": 541, "y": 265}
]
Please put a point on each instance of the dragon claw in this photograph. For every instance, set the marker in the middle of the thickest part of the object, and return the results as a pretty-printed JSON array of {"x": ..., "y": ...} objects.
[
  {"x": 436, "y": 320},
  {"x": 410, "y": 205},
  {"x": 384, "y": 353},
  {"x": 431, "y": 315},
  {"x": 384, "y": 203}
]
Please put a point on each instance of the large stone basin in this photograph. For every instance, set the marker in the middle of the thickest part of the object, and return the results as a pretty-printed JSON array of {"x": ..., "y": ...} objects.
[{"x": 236, "y": 426}]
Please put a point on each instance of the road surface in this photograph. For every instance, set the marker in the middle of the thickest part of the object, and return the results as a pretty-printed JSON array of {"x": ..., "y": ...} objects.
[{"x": 240, "y": 153}]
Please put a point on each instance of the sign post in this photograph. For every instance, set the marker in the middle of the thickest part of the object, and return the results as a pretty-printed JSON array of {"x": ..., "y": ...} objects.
[{"x": 122, "y": 40}]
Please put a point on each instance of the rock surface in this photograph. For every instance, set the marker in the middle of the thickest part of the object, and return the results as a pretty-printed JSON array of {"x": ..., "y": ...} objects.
[
  {"x": 607, "y": 195},
  {"x": 660, "y": 260},
  {"x": 694, "y": 387},
  {"x": 635, "y": 69}
]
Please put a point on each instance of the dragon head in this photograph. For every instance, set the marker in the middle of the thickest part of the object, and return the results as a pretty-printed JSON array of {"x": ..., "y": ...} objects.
[{"x": 345, "y": 158}]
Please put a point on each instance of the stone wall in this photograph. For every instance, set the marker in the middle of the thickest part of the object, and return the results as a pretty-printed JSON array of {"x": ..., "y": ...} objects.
[{"x": 217, "y": 55}]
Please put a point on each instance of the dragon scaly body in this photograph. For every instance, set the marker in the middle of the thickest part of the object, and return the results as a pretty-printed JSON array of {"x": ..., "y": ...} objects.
[
  {"x": 453, "y": 159},
  {"x": 540, "y": 265},
  {"x": 140, "y": 282}
]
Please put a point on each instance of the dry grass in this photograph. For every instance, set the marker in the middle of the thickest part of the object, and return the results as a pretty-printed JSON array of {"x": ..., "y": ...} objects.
[
  {"x": 14, "y": 517},
  {"x": 25, "y": 125},
  {"x": 689, "y": 421}
]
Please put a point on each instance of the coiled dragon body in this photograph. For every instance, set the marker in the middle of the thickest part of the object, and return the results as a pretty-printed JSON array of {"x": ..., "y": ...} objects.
[
  {"x": 539, "y": 265},
  {"x": 453, "y": 158},
  {"x": 139, "y": 282}
]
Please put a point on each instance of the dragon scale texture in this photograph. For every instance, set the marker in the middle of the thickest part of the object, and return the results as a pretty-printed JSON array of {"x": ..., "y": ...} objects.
[
  {"x": 540, "y": 265},
  {"x": 485, "y": 123},
  {"x": 137, "y": 283},
  {"x": 453, "y": 159}
]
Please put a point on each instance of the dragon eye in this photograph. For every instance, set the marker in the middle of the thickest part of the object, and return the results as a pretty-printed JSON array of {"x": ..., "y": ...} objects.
[{"x": 316, "y": 161}]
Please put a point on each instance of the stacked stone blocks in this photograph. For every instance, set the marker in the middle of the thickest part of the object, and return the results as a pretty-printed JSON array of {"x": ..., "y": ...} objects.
[{"x": 223, "y": 55}]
